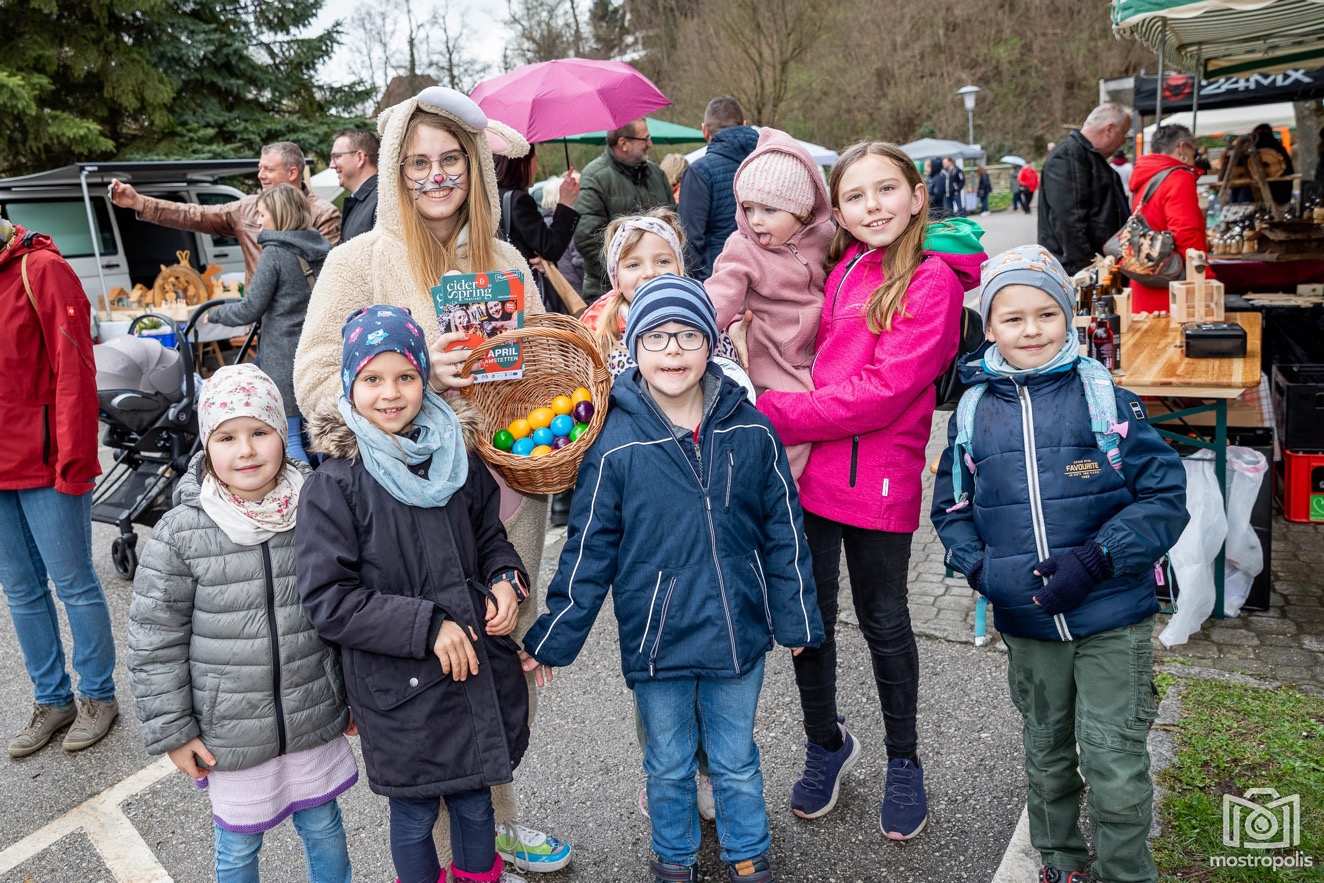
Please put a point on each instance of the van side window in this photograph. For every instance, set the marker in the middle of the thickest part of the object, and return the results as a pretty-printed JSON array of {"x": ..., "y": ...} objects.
[
  {"x": 219, "y": 199},
  {"x": 66, "y": 222}
]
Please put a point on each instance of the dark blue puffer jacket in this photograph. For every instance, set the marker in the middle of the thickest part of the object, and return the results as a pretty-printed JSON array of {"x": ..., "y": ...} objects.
[
  {"x": 706, "y": 566},
  {"x": 1073, "y": 498},
  {"x": 708, "y": 200}
]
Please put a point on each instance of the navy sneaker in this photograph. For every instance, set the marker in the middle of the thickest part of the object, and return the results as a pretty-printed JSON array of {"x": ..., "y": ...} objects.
[
  {"x": 665, "y": 872},
  {"x": 751, "y": 870},
  {"x": 816, "y": 792},
  {"x": 905, "y": 806},
  {"x": 1050, "y": 874}
]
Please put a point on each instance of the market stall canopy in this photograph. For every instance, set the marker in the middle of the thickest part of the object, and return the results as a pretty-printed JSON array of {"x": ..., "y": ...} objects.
[
  {"x": 1223, "y": 37},
  {"x": 937, "y": 148},
  {"x": 661, "y": 131},
  {"x": 326, "y": 184},
  {"x": 1230, "y": 120},
  {"x": 821, "y": 155},
  {"x": 1296, "y": 84}
]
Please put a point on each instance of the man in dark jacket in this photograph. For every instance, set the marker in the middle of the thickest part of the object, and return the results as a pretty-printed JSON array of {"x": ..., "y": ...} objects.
[
  {"x": 707, "y": 201},
  {"x": 48, "y": 463},
  {"x": 354, "y": 157},
  {"x": 1081, "y": 200},
  {"x": 955, "y": 186},
  {"x": 620, "y": 182}
]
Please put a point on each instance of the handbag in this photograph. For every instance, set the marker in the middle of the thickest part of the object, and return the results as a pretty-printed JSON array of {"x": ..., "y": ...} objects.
[{"x": 1143, "y": 254}]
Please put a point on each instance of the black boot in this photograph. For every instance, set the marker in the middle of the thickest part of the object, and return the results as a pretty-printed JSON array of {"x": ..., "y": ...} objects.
[
  {"x": 560, "y": 509},
  {"x": 751, "y": 870},
  {"x": 665, "y": 872}
]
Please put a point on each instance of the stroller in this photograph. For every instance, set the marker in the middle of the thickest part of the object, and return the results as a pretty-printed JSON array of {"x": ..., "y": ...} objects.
[{"x": 148, "y": 400}]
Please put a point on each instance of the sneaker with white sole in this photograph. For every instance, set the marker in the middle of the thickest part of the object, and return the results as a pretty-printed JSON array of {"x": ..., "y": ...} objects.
[
  {"x": 820, "y": 784},
  {"x": 905, "y": 807},
  {"x": 533, "y": 851},
  {"x": 707, "y": 802},
  {"x": 94, "y": 721},
  {"x": 46, "y": 721}
]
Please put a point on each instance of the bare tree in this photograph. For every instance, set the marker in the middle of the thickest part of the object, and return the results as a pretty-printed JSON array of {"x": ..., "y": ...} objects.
[
  {"x": 448, "y": 51},
  {"x": 541, "y": 30},
  {"x": 370, "y": 37}
]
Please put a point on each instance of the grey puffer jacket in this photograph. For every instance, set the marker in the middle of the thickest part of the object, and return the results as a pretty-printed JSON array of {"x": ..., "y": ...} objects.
[
  {"x": 278, "y": 295},
  {"x": 220, "y": 647}
]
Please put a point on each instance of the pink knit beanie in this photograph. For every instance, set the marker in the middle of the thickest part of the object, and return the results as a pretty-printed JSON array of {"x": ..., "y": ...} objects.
[{"x": 779, "y": 180}]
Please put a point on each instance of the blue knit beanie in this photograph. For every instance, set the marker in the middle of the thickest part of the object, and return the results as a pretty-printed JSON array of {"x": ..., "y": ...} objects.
[
  {"x": 1031, "y": 265},
  {"x": 377, "y": 329},
  {"x": 670, "y": 298}
]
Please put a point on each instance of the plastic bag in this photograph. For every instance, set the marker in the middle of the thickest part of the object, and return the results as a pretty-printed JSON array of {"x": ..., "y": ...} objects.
[
  {"x": 1192, "y": 558},
  {"x": 1245, "y": 557}
]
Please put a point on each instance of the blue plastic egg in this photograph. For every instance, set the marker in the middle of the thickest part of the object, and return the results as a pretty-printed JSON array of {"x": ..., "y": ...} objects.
[
  {"x": 562, "y": 424},
  {"x": 542, "y": 436},
  {"x": 523, "y": 447}
]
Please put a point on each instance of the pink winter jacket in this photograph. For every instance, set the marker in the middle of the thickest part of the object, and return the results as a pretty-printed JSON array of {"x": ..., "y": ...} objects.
[
  {"x": 782, "y": 286},
  {"x": 871, "y": 408}
]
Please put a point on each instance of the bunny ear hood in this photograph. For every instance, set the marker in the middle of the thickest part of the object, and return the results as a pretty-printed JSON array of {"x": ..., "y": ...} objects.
[{"x": 490, "y": 136}]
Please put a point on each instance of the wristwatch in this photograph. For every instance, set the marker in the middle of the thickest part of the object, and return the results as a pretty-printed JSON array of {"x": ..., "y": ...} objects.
[{"x": 510, "y": 575}]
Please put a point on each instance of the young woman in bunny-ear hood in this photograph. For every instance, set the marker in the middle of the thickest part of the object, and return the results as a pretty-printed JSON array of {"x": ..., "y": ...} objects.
[{"x": 437, "y": 210}]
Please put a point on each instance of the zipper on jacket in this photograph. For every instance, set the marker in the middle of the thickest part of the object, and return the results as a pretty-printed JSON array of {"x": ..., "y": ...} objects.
[
  {"x": 661, "y": 624},
  {"x": 45, "y": 434},
  {"x": 757, "y": 566},
  {"x": 712, "y": 531},
  {"x": 730, "y": 473},
  {"x": 1036, "y": 504},
  {"x": 275, "y": 648},
  {"x": 854, "y": 457},
  {"x": 651, "y": 604}
]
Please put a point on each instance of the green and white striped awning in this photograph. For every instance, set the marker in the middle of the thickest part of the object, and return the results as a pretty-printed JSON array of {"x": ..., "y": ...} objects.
[{"x": 1226, "y": 37}]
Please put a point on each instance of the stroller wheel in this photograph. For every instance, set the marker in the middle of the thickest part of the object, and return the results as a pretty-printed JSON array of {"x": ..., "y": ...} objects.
[{"x": 124, "y": 556}]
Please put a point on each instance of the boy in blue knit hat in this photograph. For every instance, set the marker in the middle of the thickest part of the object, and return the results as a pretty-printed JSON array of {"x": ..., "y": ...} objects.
[
  {"x": 1056, "y": 499},
  {"x": 685, "y": 508}
]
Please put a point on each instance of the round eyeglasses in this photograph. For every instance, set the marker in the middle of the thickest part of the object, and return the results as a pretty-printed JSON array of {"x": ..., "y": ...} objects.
[
  {"x": 657, "y": 341},
  {"x": 418, "y": 166}
]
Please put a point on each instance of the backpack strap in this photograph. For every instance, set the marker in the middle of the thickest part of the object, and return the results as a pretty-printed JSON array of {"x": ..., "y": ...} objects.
[
  {"x": 1153, "y": 185},
  {"x": 1101, "y": 400},
  {"x": 965, "y": 430},
  {"x": 27, "y": 284},
  {"x": 308, "y": 273},
  {"x": 507, "y": 205}
]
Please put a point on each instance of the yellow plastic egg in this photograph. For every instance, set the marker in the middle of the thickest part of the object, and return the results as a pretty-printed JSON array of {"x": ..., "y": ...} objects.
[
  {"x": 581, "y": 395},
  {"x": 562, "y": 405},
  {"x": 540, "y": 417},
  {"x": 519, "y": 428},
  {"x": 540, "y": 451}
]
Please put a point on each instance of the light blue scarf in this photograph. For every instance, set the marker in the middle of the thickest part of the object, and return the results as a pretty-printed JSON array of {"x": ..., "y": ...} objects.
[
  {"x": 1099, "y": 398},
  {"x": 388, "y": 457}
]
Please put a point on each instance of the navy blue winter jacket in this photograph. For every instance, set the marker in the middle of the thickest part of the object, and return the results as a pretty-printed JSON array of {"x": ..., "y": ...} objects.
[
  {"x": 707, "y": 197},
  {"x": 707, "y": 563},
  {"x": 1040, "y": 480}
]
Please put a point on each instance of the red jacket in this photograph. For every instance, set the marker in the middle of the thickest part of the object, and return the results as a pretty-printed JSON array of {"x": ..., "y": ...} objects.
[
  {"x": 48, "y": 380},
  {"x": 1174, "y": 207},
  {"x": 1028, "y": 178}
]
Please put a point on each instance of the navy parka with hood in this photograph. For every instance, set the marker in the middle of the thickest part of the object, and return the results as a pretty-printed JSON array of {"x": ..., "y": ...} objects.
[
  {"x": 1040, "y": 474},
  {"x": 707, "y": 205},
  {"x": 702, "y": 545}
]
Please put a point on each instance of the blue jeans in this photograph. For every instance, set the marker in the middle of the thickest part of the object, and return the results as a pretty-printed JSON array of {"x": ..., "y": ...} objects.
[
  {"x": 294, "y": 444},
  {"x": 473, "y": 834},
  {"x": 323, "y": 836},
  {"x": 46, "y": 533},
  {"x": 675, "y": 711}
]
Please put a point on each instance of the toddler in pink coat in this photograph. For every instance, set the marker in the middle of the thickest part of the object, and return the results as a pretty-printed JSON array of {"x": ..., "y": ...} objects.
[{"x": 772, "y": 266}]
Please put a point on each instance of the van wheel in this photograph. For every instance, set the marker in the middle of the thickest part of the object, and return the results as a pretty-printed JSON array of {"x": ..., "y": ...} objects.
[{"x": 124, "y": 556}]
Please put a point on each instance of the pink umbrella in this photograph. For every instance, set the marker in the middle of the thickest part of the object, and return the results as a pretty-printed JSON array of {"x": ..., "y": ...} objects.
[{"x": 568, "y": 96}]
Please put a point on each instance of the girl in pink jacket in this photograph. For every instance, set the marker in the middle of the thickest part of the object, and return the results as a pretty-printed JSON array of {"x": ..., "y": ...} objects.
[
  {"x": 772, "y": 266},
  {"x": 889, "y": 329}
]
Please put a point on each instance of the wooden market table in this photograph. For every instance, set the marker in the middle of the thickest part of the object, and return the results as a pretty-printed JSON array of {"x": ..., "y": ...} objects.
[{"x": 1156, "y": 367}]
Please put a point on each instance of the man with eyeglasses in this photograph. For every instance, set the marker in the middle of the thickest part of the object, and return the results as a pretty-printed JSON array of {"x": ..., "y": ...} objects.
[
  {"x": 354, "y": 157},
  {"x": 623, "y": 181},
  {"x": 280, "y": 163}
]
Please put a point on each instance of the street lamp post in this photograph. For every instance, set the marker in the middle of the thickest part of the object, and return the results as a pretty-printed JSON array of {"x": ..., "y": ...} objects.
[{"x": 967, "y": 94}]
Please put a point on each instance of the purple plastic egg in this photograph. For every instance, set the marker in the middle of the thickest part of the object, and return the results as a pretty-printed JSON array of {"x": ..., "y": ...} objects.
[
  {"x": 559, "y": 442},
  {"x": 583, "y": 412}
]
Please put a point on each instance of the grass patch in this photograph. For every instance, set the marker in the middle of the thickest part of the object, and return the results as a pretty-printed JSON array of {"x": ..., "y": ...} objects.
[
  {"x": 1232, "y": 738},
  {"x": 999, "y": 201}
]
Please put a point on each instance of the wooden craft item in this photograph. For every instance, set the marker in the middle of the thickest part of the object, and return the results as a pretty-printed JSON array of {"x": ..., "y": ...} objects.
[
  {"x": 179, "y": 282},
  {"x": 1195, "y": 299}
]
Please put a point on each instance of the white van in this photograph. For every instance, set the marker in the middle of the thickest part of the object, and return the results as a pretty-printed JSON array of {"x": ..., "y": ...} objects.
[{"x": 126, "y": 250}]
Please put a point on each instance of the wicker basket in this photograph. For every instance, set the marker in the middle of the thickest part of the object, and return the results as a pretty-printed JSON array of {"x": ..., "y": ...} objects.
[{"x": 559, "y": 355}]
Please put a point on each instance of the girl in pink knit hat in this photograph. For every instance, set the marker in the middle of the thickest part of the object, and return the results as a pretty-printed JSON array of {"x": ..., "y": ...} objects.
[{"x": 771, "y": 269}]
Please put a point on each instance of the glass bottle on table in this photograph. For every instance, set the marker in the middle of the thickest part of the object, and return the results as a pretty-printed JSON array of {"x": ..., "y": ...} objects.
[{"x": 1102, "y": 341}]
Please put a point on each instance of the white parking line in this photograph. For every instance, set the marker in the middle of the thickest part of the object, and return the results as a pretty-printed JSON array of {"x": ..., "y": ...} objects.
[{"x": 122, "y": 849}]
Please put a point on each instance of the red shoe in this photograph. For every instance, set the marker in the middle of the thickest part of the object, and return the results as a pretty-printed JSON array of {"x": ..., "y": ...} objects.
[{"x": 1050, "y": 874}]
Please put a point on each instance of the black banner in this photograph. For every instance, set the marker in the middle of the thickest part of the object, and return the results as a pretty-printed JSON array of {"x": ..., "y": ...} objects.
[{"x": 1178, "y": 89}]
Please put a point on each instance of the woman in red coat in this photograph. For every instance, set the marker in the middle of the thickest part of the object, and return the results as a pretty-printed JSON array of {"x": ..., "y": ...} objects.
[
  {"x": 48, "y": 461},
  {"x": 1173, "y": 205}
]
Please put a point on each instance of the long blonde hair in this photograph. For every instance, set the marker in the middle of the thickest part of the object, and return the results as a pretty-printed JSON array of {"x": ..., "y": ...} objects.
[
  {"x": 288, "y": 207},
  {"x": 607, "y": 329},
  {"x": 900, "y": 259},
  {"x": 429, "y": 259}
]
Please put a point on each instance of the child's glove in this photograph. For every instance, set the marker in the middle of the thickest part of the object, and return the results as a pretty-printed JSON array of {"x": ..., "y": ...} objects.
[
  {"x": 1070, "y": 578},
  {"x": 974, "y": 577}
]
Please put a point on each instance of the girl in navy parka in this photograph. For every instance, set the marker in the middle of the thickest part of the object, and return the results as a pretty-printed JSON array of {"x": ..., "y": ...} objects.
[
  {"x": 687, "y": 511},
  {"x": 1056, "y": 499}
]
